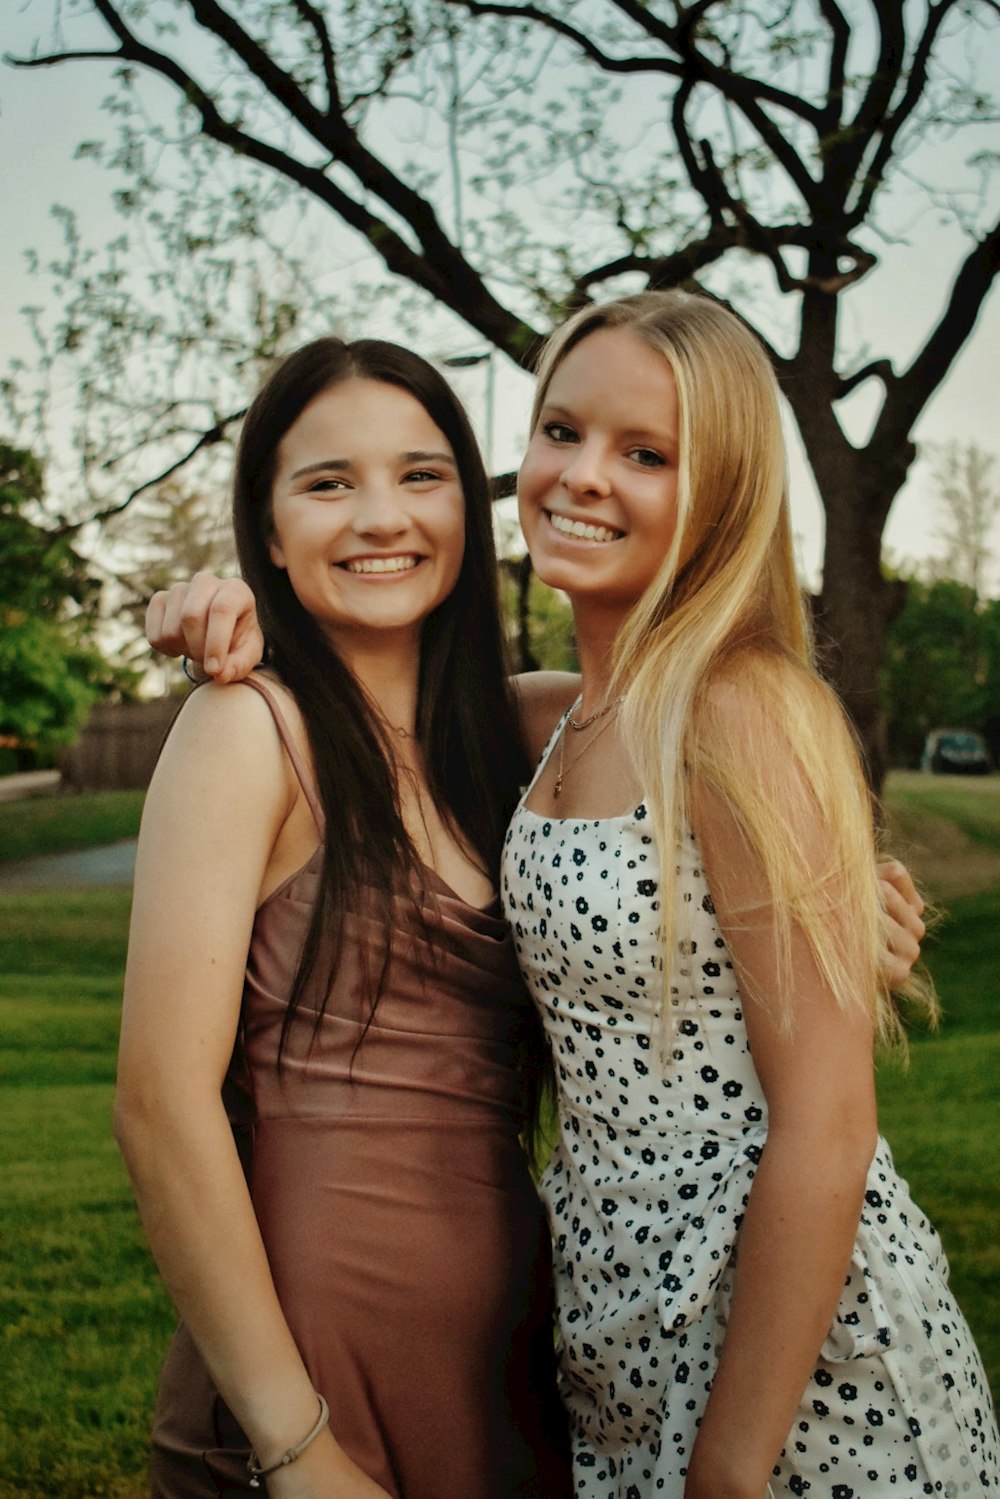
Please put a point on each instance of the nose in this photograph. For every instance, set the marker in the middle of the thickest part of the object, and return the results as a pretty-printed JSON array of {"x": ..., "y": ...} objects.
[
  {"x": 381, "y": 512},
  {"x": 585, "y": 471}
]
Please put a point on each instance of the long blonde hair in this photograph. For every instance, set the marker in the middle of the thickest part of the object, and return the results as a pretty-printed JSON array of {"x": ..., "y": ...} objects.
[{"x": 725, "y": 607}]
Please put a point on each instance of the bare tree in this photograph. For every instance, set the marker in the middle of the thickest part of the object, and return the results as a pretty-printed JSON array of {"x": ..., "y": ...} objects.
[
  {"x": 969, "y": 506},
  {"x": 514, "y": 159}
]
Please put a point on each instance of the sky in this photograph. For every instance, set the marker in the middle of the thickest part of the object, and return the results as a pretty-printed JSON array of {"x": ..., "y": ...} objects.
[{"x": 44, "y": 115}]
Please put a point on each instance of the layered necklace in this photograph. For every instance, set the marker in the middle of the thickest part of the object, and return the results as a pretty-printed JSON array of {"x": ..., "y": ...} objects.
[{"x": 609, "y": 712}]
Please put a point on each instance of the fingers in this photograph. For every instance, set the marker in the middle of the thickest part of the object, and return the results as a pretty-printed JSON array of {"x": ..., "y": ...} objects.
[
  {"x": 895, "y": 875},
  {"x": 901, "y": 954},
  {"x": 234, "y": 644},
  {"x": 164, "y": 623},
  {"x": 904, "y": 929},
  {"x": 211, "y": 620}
]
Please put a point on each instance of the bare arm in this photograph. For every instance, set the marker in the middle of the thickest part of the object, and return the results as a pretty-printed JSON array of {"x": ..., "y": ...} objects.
[
  {"x": 796, "y": 1239},
  {"x": 542, "y": 698},
  {"x": 200, "y": 867}
]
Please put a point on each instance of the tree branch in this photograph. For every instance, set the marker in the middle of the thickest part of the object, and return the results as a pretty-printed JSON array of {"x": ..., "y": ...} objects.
[
  {"x": 208, "y": 439},
  {"x": 738, "y": 87},
  {"x": 875, "y": 107},
  {"x": 841, "y": 36},
  {"x": 317, "y": 21},
  {"x": 915, "y": 386},
  {"x": 878, "y": 369},
  {"x": 700, "y": 177},
  {"x": 571, "y": 33},
  {"x": 440, "y": 269}
]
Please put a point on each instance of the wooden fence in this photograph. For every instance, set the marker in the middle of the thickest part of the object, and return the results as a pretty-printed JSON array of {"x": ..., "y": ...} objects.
[{"x": 119, "y": 745}]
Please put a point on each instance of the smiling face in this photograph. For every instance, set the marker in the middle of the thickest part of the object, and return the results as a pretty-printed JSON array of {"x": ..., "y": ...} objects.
[
  {"x": 368, "y": 514},
  {"x": 597, "y": 492}
]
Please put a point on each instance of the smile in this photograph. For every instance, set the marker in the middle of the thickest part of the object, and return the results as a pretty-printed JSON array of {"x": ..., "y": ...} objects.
[
  {"x": 403, "y": 564},
  {"x": 580, "y": 530}
]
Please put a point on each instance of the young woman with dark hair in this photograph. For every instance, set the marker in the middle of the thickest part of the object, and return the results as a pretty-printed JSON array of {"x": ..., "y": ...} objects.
[{"x": 326, "y": 1052}]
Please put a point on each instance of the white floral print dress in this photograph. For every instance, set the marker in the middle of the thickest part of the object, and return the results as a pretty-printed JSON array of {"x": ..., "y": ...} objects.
[{"x": 647, "y": 1188}]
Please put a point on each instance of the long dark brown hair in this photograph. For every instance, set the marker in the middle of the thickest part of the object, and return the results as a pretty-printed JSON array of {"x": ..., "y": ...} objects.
[{"x": 467, "y": 724}]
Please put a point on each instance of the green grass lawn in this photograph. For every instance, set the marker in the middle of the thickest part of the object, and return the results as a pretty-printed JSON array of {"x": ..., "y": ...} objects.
[
  {"x": 56, "y": 824},
  {"x": 83, "y": 1319}
]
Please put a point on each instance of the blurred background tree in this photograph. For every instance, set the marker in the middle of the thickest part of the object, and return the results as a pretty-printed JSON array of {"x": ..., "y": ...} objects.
[
  {"x": 51, "y": 666},
  {"x": 942, "y": 665}
]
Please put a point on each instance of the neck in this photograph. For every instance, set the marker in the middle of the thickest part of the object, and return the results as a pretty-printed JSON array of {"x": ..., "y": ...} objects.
[
  {"x": 389, "y": 672},
  {"x": 596, "y": 630}
]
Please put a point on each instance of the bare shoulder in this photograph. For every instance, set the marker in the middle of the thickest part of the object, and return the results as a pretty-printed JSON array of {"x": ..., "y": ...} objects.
[
  {"x": 542, "y": 698},
  {"x": 759, "y": 695},
  {"x": 226, "y": 735},
  {"x": 773, "y": 741}
]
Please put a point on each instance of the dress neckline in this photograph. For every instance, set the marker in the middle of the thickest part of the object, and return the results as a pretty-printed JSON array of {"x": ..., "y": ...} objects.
[
  {"x": 489, "y": 912},
  {"x": 522, "y": 806},
  {"x": 590, "y": 821}
]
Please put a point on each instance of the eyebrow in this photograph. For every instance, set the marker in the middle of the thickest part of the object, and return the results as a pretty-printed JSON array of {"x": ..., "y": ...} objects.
[
  {"x": 341, "y": 465},
  {"x": 323, "y": 466}
]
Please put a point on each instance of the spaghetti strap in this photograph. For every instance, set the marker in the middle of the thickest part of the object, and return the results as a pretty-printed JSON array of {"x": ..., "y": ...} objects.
[
  {"x": 546, "y": 752},
  {"x": 299, "y": 765}
]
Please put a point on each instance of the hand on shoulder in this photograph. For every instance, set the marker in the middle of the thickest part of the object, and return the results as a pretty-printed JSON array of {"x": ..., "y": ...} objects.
[{"x": 211, "y": 620}]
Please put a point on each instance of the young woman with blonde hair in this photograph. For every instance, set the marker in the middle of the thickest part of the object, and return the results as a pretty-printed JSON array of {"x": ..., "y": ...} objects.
[{"x": 748, "y": 1301}]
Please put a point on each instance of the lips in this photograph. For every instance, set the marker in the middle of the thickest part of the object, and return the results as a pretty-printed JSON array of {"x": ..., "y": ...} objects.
[
  {"x": 579, "y": 530},
  {"x": 366, "y": 566}
]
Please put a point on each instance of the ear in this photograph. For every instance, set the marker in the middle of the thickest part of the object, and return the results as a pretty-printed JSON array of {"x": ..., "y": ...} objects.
[{"x": 276, "y": 555}]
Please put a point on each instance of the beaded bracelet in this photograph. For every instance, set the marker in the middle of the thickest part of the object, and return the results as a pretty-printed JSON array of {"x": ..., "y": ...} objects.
[{"x": 257, "y": 1472}]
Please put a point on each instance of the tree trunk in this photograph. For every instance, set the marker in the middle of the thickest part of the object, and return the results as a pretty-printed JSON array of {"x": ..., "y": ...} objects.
[
  {"x": 857, "y": 486},
  {"x": 852, "y": 615}
]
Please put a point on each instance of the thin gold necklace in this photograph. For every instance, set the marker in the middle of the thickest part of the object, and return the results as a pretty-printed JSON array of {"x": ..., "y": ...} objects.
[
  {"x": 564, "y": 769},
  {"x": 579, "y": 727}
]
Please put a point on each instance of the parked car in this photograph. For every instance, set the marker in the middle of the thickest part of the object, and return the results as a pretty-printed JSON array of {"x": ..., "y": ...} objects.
[{"x": 956, "y": 752}]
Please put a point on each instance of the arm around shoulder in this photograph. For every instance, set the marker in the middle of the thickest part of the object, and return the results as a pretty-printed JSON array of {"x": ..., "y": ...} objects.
[{"x": 542, "y": 698}]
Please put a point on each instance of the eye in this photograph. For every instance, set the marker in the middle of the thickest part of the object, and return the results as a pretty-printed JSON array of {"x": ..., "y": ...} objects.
[
  {"x": 647, "y": 458},
  {"x": 422, "y": 476},
  {"x": 327, "y": 485},
  {"x": 559, "y": 432}
]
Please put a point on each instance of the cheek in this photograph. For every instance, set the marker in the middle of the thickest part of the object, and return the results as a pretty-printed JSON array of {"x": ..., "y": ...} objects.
[
  {"x": 451, "y": 538},
  {"x": 532, "y": 478},
  {"x": 527, "y": 489}
]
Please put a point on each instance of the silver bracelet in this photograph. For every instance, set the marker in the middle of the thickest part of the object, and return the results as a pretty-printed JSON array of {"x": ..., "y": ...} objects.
[{"x": 257, "y": 1472}]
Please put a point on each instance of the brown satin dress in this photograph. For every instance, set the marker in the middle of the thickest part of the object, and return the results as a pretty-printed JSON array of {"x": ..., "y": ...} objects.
[{"x": 406, "y": 1240}]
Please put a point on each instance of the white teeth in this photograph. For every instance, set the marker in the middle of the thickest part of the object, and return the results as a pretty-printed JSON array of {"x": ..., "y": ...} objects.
[
  {"x": 567, "y": 527},
  {"x": 381, "y": 564}
]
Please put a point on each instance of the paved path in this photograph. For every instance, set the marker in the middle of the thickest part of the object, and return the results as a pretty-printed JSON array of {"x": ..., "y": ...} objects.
[
  {"x": 114, "y": 864},
  {"x": 15, "y": 788}
]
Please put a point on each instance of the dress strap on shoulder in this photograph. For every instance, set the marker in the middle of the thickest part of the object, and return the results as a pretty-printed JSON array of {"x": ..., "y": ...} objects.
[{"x": 301, "y": 769}]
